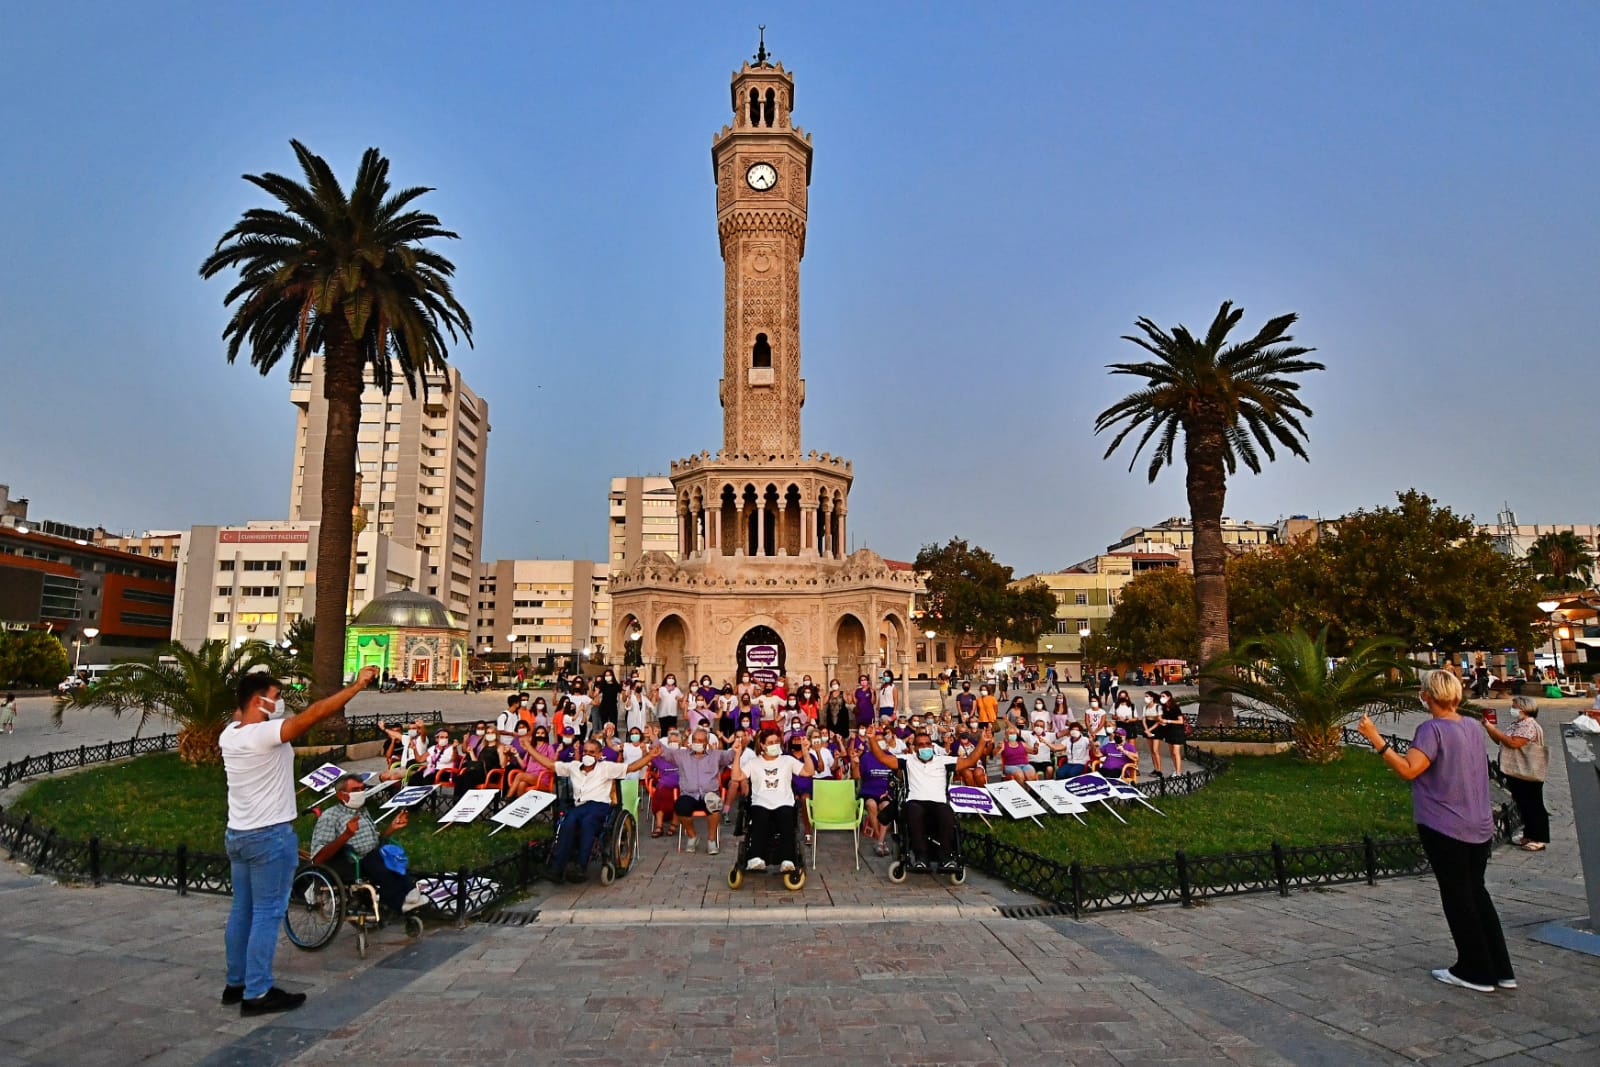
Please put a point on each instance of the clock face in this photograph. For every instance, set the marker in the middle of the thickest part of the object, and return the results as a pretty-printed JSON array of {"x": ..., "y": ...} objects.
[{"x": 761, "y": 176}]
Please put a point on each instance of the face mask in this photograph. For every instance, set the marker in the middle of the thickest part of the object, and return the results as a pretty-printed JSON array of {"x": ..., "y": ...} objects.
[
  {"x": 356, "y": 799},
  {"x": 672, "y": 742},
  {"x": 442, "y": 742},
  {"x": 411, "y": 733},
  {"x": 1011, "y": 737},
  {"x": 588, "y": 761},
  {"x": 671, "y": 682},
  {"x": 861, "y": 732},
  {"x": 888, "y": 678},
  {"x": 697, "y": 747},
  {"x": 478, "y": 732},
  {"x": 1077, "y": 734},
  {"x": 774, "y": 750},
  {"x": 541, "y": 738},
  {"x": 522, "y": 733},
  {"x": 925, "y": 754},
  {"x": 277, "y": 710},
  {"x": 490, "y": 739},
  {"x": 794, "y": 703},
  {"x": 634, "y": 736}
]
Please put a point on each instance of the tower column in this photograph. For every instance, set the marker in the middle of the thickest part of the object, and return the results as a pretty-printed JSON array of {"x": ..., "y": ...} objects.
[
  {"x": 743, "y": 538},
  {"x": 763, "y": 539},
  {"x": 808, "y": 530},
  {"x": 780, "y": 529}
]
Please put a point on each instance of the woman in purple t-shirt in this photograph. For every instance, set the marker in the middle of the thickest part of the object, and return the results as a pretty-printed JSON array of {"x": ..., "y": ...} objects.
[
  {"x": 1448, "y": 769},
  {"x": 873, "y": 776}
]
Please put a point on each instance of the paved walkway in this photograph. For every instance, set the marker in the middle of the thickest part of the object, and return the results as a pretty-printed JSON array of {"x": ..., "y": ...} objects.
[{"x": 668, "y": 966}]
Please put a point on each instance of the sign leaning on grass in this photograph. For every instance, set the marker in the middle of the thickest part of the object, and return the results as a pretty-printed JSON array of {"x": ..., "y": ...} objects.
[
  {"x": 518, "y": 812},
  {"x": 469, "y": 807},
  {"x": 1017, "y": 801},
  {"x": 1058, "y": 798},
  {"x": 970, "y": 800}
]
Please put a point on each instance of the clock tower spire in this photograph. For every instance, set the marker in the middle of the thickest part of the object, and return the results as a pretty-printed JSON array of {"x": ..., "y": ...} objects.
[{"x": 762, "y": 166}]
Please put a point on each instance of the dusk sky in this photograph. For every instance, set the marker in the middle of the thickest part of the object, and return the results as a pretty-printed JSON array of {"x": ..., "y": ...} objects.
[{"x": 999, "y": 192}]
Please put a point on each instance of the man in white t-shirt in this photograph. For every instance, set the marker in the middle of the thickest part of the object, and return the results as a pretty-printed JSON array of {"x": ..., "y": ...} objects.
[
  {"x": 258, "y": 756},
  {"x": 928, "y": 794},
  {"x": 771, "y": 775},
  {"x": 591, "y": 777}
]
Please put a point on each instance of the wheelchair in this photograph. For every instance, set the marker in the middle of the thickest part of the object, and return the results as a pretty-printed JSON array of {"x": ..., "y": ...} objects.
[
  {"x": 616, "y": 846},
  {"x": 793, "y": 880},
  {"x": 904, "y": 862},
  {"x": 320, "y": 902}
]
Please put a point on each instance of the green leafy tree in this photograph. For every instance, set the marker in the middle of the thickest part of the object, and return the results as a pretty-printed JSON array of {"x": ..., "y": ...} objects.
[
  {"x": 196, "y": 689},
  {"x": 970, "y": 596},
  {"x": 302, "y": 638},
  {"x": 1561, "y": 561},
  {"x": 1290, "y": 673},
  {"x": 1154, "y": 619},
  {"x": 346, "y": 275},
  {"x": 1231, "y": 402},
  {"x": 32, "y": 658},
  {"x": 1418, "y": 572}
]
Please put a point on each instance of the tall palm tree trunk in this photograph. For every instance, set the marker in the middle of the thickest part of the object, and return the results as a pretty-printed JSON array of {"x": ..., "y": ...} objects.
[
  {"x": 341, "y": 386},
  {"x": 1207, "y": 484}
]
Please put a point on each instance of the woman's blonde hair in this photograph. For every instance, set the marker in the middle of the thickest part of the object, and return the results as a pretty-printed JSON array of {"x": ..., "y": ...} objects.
[{"x": 1442, "y": 687}]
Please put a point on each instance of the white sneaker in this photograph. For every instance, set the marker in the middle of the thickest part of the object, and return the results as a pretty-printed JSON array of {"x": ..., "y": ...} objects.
[
  {"x": 311, "y": 895},
  {"x": 1444, "y": 975},
  {"x": 713, "y": 848},
  {"x": 1507, "y": 983},
  {"x": 414, "y": 900},
  {"x": 694, "y": 843},
  {"x": 786, "y": 866},
  {"x": 756, "y": 864}
]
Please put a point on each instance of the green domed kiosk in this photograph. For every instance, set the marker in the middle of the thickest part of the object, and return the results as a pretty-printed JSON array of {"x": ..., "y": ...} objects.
[{"x": 408, "y": 635}]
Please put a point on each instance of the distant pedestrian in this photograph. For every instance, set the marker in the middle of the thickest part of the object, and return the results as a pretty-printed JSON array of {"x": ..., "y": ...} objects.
[
  {"x": 258, "y": 757},
  {"x": 1450, "y": 799},
  {"x": 8, "y": 713},
  {"x": 1523, "y": 761}
]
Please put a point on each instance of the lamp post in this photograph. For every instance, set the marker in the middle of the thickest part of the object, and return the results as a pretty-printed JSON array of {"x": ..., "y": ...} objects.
[
  {"x": 88, "y": 633},
  {"x": 1549, "y": 608}
]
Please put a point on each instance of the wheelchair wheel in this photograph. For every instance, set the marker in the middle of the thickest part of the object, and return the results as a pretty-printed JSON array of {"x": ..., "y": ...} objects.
[
  {"x": 959, "y": 876},
  {"x": 361, "y": 940},
  {"x": 608, "y": 873},
  {"x": 735, "y": 878},
  {"x": 794, "y": 880},
  {"x": 413, "y": 926},
  {"x": 316, "y": 908},
  {"x": 897, "y": 872},
  {"x": 624, "y": 844}
]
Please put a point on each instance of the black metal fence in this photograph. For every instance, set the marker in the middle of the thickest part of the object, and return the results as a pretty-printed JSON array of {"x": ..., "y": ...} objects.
[{"x": 83, "y": 756}]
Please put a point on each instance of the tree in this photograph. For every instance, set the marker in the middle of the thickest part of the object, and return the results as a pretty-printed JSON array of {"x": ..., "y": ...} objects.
[
  {"x": 970, "y": 596},
  {"x": 1291, "y": 674},
  {"x": 346, "y": 276},
  {"x": 1417, "y": 572},
  {"x": 30, "y": 658},
  {"x": 1231, "y": 402},
  {"x": 1561, "y": 561},
  {"x": 1154, "y": 619},
  {"x": 197, "y": 689},
  {"x": 302, "y": 639}
]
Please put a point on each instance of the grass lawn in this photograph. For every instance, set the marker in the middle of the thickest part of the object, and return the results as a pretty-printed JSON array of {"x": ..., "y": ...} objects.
[
  {"x": 1259, "y": 800},
  {"x": 159, "y": 802}
]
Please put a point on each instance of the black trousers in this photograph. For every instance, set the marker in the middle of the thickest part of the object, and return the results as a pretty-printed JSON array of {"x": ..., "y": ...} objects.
[
  {"x": 771, "y": 833},
  {"x": 1474, "y": 926},
  {"x": 1529, "y": 797},
  {"x": 919, "y": 813},
  {"x": 392, "y": 888}
]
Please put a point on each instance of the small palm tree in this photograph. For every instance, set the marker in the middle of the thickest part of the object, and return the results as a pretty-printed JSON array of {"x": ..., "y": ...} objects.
[
  {"x": 1561, "y": 561},
  {"x": 1290, "y": 674},
  {"x": 198, "y": 690},
  {"x": 1230, "y": 402},
  {"x": 346, "y": 275}
]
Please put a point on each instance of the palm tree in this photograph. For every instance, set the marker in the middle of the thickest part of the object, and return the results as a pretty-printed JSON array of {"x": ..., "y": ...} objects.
[
  {"x": 1290, "y": 674},
  {"x": 196, "y": 689},
  {"x": 346, "y": 276},
  {"x": 1561, "y": 561},
  {"x": 1231, "y": 402}
]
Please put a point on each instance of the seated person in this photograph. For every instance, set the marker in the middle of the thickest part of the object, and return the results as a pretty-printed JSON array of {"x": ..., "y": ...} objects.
[
  {"x": 928, "y": 795},
  {"x": 1078, "y": 755},
  {"x": 1014, "y": 756},
  {"x": 699, "y": 770},
  {"x": 443, "y": 761},
  {"x": 345, "y": 833},
  {"x": 495, "y": 753},
  {"x": 662, "y": 779},
  {"x": 406, "y": 750},
  {"x": 771, "y": 773},
  {"x": 532, "y": 776},
  {"x": 1120, "y": 758},
  {"x": 591, "y": 779},
  {"x": 965, "y": 744}
]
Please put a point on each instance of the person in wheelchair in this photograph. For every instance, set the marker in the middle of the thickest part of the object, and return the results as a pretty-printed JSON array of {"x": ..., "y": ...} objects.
[
  {"x": 771, "y": 774},
  {"x": 591, "y": 779},
  {"x": 346, "y": 836},
  {"x": 928, "y": 793}
]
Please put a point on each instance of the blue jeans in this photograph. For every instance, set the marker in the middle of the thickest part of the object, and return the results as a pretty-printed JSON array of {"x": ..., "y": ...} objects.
[
  {"x": 582, "y": 827},
  {"x": 1068, "y": 770},
  {"x": 264, "y": 861}
]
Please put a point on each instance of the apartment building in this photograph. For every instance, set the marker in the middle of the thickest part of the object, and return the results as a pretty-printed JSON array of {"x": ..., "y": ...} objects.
[
  {"x": 252, "y": 582},
  {"x": 157, "y": 544},
  {"x": 422, "y": 466},
  {"x": 542, "y": 607},
  {"x": 644, "y": 518},
  {"x": 1178, "y": 533}
]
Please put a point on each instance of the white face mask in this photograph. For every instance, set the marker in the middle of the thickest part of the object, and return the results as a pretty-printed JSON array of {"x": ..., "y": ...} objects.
[
  {"x": 411, "y": 733},
  {"x": 774, "y": 750},
  {"x": 478, "y": 732},
  {"x": 356, "y": 799},
  {"x": 588, "y": 761},
  {"x": 490, "y": 739},
  {"x": 278, "y": 709},
  {"x": 697, "y": 747}
]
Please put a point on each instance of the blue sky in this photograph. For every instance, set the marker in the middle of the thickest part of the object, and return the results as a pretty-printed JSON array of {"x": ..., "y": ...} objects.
[{"x": 999, "y": 192}]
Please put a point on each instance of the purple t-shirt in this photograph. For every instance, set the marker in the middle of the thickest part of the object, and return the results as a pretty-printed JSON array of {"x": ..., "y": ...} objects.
[
  {"x": 1452, "y": 795},
  {"x": 874, "y": 776},
  {"x": 866, "y": 712}
]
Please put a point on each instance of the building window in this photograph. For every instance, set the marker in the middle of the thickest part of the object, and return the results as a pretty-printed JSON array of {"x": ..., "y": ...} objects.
[
  {"x": 761, "y": 354},
  {"x": 225, "y": 565},
  {"x": 221, "y": 617},
  {"x": 1080, "y": 598},
  {"x": 224, "y": 590},
  {"x": 941, "y": 651},
  {"x": 297, "y": 564},
  {"x": 1064, "y": 626}
]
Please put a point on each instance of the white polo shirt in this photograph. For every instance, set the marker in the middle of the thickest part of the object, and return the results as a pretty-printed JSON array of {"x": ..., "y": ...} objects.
[
  {"x": 925, "y": 781},
  {"x": 593, "y": 784},
  {"x": 260, "y": 768}
]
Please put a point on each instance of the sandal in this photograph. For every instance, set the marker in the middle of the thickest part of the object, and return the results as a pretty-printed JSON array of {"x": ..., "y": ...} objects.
[{"x": 656, "y": 832}]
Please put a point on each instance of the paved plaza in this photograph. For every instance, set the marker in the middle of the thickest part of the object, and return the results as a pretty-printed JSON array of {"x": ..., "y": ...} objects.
[{"x": 669, "y": 966}]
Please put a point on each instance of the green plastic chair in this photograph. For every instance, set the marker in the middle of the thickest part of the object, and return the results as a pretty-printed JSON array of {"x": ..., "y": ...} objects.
[
  {"x": 833, "y": 805},
  {"x": 631, "y": 795}
]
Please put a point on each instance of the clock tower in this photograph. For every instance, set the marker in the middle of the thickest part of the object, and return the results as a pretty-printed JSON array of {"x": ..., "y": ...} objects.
[{"x": 762, "y": 165}]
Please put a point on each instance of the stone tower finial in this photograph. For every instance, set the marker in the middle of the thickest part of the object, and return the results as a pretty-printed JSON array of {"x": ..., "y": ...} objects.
[{"x": 761, "y": 49}]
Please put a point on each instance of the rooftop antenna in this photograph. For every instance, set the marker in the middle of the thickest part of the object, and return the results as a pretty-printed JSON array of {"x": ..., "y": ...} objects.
[{"x": 761, "y": 48}]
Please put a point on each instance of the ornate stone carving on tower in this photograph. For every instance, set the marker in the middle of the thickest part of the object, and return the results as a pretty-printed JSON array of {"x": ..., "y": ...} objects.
[{"x": 762, "y": 531}]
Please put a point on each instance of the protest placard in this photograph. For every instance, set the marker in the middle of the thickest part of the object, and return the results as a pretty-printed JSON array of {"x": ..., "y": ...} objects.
[
  {"x": 1089, "y": 788},
  {"x": 518, "y": 812},
  {"x": 1128, "y": 791},
  {"x": 409, "y": 797},
  {"x": 468, "y": 807},
  {"x": 969, "y": 800},
  {"x": 1057, "y": 798},
  {"x": 322, "y": 777},
  {"x": 1017, "y": 801}
]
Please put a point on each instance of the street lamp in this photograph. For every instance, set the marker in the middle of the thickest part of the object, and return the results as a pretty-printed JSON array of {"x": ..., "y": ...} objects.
[
  {"x": 88, "y": 633},
  {"x": 1549, "y": 608}
]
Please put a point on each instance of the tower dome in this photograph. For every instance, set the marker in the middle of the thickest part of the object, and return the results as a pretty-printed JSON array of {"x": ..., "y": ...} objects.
[{"x": 409, "y": 609}]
